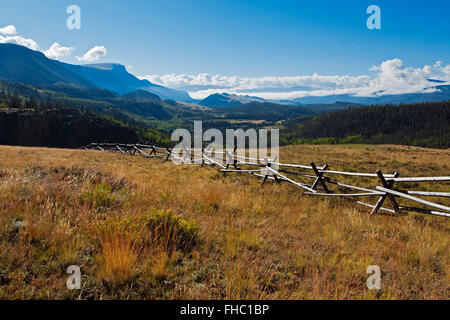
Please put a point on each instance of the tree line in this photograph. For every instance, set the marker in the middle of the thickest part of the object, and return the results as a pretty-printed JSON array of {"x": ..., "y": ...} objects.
[
  {"x": 423, "y": 124},
  {"x": 15, "y": 101}
]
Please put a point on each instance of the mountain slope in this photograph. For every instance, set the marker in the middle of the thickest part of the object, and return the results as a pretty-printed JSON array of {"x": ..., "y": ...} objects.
[
  {"x": 62, "y": 128},
  {"x": 263, "y": 111},
  {"x": 21, "y": 64},
  {"x": 115, "y": 77},
  {"x": 142, "y": 95},
  {"x": 425, "y": 125},
  {"x": 218, "y": 100}
]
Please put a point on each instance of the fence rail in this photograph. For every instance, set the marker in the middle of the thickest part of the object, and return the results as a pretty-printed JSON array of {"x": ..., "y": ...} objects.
[{"x": 270, "y": 169}]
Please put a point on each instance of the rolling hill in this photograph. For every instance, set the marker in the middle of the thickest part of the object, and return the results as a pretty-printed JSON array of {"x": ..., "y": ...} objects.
[
  {"x": 61, "y": 128},
  {"x": 424, "y": 125},
  {"x": 218, "y": 100}
]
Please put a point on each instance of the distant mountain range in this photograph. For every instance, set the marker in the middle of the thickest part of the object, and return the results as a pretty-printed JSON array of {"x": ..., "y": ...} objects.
[
  {"x": 107, "y": 92},
  {"x": 115, "y": 77},
  {"x": 20, "y": 64},
  {"x": 441, "y": 93},
  {"x": 218, "y": 100}
]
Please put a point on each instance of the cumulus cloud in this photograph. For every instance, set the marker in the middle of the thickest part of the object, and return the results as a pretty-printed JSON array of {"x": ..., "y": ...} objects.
[
  {"x": 29, "y": 43},
  {"x": 57, "y": 51},
  {"x": 93, "y": 54},
  {"x": 8, "y": 30},
  {"x": 8, "y": 35},
  {"x": 390, "y": 77}
]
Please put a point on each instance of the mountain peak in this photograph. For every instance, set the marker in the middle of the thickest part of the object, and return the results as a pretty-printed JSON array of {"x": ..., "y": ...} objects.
[
  {"x": 228, "y": 100},
  {"x": 20, "y": 64},
  {"x": 141, "y": 95},
  {"x": 106, "y": 66}
]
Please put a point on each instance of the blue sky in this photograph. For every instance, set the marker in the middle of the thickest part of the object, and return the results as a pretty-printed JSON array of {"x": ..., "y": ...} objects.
[{"x": 245, "y": 39}]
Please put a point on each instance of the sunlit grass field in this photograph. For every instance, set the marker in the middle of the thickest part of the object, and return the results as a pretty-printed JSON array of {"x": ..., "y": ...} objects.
[{"x": 148, "y": 229}]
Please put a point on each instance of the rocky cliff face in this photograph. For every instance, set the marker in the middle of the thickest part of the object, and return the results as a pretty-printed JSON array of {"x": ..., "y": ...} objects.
[{"x": 62, "y": 128}]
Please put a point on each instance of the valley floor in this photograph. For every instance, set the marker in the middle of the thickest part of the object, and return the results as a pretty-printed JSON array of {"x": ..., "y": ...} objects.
[{"x": 147, "y": 229}]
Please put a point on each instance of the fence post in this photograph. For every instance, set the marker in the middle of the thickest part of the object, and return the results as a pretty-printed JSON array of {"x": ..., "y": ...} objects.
[
  {"x": 134, "y": 150},
  {"x": 153, "y": 152},
  {"x": 267, "y": 176},
  {"x": 320, "y": 178},
  {"x": 227, "y": 154},
  {"x": 120, "y": 149},
  {"x": 227, "y": 164},
  {"x": 169, "y": 151},
  {"x": 387, "y": 185},
  {"x": 235, "y": 161},
  {"x": 203, "y": 158}
]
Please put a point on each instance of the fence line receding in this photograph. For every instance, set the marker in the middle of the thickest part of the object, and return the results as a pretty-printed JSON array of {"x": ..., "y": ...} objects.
[{"x": 271, "y": 169}]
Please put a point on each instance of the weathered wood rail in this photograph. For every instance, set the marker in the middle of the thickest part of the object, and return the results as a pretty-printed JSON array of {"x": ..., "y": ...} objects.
[{"x": 270, "y": 169}]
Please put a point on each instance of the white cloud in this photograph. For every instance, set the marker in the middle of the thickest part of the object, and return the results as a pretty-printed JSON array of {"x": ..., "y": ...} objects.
[
  {"x": 93, "y": 55},
  {"x": 29, "y": 43},
  {"x": 9, "y": 36},
  {"x": 390, "y": 77},
  {"x": 8, "y": 30},
  {"x": 57, "y": 51}
]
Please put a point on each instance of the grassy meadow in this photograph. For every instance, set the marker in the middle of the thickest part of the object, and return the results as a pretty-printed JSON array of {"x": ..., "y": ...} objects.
[{"x": 148, "y": 229}]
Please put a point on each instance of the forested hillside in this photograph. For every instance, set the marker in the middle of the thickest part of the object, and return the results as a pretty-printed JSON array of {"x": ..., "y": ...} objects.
[
  {"x": 61, "y": 128},
  {"x": 425, "y": 124},
  {"x": 33, "y": 122}
]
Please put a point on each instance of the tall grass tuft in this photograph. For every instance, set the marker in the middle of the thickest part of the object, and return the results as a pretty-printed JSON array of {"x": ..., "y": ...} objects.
[{"x": 118, "y": 257}]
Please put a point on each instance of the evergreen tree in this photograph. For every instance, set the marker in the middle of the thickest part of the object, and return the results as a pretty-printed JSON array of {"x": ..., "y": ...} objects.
[
  {"x": 3, "y": 96},
  {"x": 31, "y": 103},
  {"x": 14, "y": 101}
]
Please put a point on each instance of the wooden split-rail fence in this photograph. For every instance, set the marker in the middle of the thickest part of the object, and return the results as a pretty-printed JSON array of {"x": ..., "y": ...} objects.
[{"x": 270, "y": 169}]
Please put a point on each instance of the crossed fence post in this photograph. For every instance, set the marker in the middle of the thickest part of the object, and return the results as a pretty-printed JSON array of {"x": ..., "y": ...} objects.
[
  {"x": 320, "y": 178},
  {"x": 387, "y": 185},
  {"x": 134, "y": 149},
  {"x": 153, "y": 152},
  {"x": 231, "y": 156},
  {"x": 169, "y": 151},
  {"x": 266, "y": 176}
]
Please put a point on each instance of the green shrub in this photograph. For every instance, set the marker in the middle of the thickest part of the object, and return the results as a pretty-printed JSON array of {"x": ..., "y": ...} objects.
[
  {"x": 99, "y": 197},
  {"x": 172, "y": 231}
]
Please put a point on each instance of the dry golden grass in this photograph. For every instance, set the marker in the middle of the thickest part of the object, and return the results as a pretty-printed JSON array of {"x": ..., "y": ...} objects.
[
  {"x": 117, "y": 259},
  {"x": 92, "y": 209}
]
